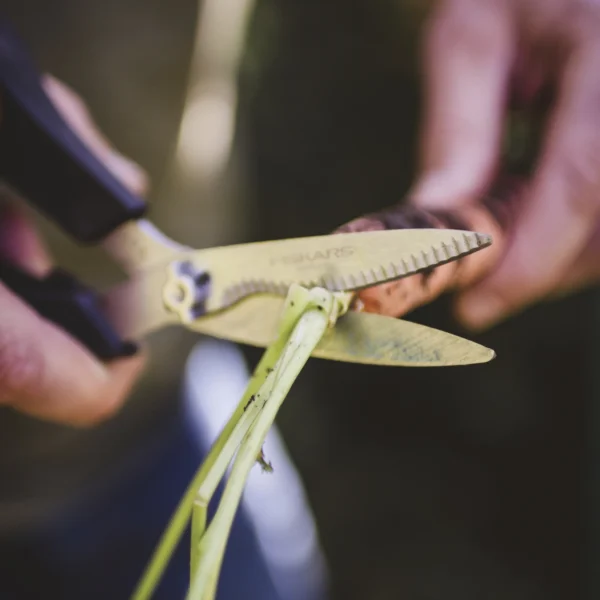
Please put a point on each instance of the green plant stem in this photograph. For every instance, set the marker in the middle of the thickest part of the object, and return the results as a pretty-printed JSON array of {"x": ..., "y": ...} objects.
[
  {"x": 213, "y": 468},
  {"x": 205, "y": 480},
  {"x": 199, "y": 512},
  {"x": 317, "y": 311}
]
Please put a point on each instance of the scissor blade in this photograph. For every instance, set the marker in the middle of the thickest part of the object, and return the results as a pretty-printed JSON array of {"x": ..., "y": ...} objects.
[
  {"x": 343, "y": 262},
  {"x": 357, "y": 337}
]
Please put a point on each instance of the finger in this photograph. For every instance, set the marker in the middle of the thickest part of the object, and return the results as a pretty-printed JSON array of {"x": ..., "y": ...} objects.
[
  {"x": 398, "y": 297},
  {"x": 46, "y": 374},
  {"x": 468, "y": 55},
  {"x": 585, "y": 269},
  {"x": 560, "y": 212},
  {"x": 20, "y": 244},
  {"x": 75, "y": 113}
]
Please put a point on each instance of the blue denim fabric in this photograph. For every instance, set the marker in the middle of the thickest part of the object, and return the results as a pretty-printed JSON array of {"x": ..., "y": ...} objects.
[{"x": 99, "y": 551}]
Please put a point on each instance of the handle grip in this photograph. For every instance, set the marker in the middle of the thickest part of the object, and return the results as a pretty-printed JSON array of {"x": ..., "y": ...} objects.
[
  {"x": 66, "y": 302},
  {"x": 46, "y": 162}
]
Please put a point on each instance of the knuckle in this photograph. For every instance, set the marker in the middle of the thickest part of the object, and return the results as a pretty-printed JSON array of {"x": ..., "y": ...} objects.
[{"x": 21, "y": 365}]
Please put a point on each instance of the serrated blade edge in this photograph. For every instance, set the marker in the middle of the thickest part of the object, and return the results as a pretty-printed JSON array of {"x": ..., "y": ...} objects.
[{"x": 460, "y": 244}]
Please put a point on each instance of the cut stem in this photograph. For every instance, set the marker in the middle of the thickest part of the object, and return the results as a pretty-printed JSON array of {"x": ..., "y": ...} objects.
[
  {"x": 207, "y": 477},
  {"x": 318, "y": 311},
  {"x": 306, "y": 316}
]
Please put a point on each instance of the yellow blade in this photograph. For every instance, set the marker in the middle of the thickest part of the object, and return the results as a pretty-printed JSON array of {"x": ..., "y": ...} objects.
[
  {"x": 357, "y": 337},
  {"x": 343, "y": 262}
]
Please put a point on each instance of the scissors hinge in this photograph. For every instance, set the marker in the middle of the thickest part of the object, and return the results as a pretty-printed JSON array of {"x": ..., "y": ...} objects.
[{"x": 186, "y": 291}]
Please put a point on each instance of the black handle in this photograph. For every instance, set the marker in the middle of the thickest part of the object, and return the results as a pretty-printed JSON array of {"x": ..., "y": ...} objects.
[
  {"x": 69, "y": 304},
  {"x": 46, "y": 162}
]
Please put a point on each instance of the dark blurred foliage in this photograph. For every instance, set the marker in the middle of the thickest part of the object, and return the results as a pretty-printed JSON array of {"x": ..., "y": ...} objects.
[{"x": 459, "y": 483}]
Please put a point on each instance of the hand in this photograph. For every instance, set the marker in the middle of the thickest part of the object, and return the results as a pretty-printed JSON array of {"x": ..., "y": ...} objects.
[
  {"x": 43, "y": 371},
  {"x": 477, "y": 53}
]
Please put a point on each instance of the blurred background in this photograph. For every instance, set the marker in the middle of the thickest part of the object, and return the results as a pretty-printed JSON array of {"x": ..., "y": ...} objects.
[{"x": 262, "y": 119}]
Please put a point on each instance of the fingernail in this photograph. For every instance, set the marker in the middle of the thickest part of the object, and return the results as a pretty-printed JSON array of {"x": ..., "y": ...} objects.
[
  {"x": 131, "y": 174},
  {"x": 480, "y": 311}
]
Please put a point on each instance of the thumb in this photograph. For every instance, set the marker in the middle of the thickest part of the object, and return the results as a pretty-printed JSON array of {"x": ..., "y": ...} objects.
[{"x": 468, "y": 57}]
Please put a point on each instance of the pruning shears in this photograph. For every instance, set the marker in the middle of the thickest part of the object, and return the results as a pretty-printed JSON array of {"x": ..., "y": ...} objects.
[{"x": 232, "y": 292}]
